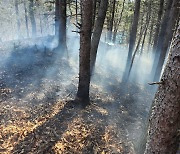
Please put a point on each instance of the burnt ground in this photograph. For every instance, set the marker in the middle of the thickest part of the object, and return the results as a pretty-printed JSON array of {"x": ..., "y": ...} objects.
[{"x": 37, "y": 114}]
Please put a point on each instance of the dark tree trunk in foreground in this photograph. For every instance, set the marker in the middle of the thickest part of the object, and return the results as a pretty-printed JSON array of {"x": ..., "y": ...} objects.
[
  {"x": 84, "y": 56},
  {"x": 17, "y": 18},
  {"x": 160, "y": 13},
  {"x": 167, "y": 39},
  {"x": 32, "y": 18},
  {"x": 98, "y": 27},
  {"x": 162, "y": 35},
  {"x": 164, "y": 121},
  {"x": 132, "y": 39},
  {"x": 26, "y": 18}
]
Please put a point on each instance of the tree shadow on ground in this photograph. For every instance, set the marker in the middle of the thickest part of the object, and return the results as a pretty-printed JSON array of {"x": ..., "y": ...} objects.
[{"x": 43, "y": 138}]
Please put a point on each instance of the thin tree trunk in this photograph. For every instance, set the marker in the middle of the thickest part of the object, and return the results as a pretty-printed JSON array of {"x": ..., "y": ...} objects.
[
  {"x": 160, "y": 13},
  {"x": 151, "y": 34},
  {"x": 76, "y": 12},
  {"x": 69, "y": 5},
  {"x": 112, "y": 20},
  {"x": 32, "y": 18},
  {"x": 118, "y": 23},
  {"x": 94, "y": 12},
  {"x": 137, "y": 47},
  {"x": 85, "y": 47},
  {"x": 162, "y": 35},
  {"x": 40, "y": 22},
  {"x": 57, "y": 18},
  {"x": 98, "y": 27},
  {"x": 26, "y": 18},
  {"x": 167, "y": 39},
  {"x": 164, "y": 121},
  {"x": 124, "y": 28},
  {"x": 17, "y": 18},
  {"x": 62, "y": 25},
  {"x": 148, "y": 17},
  {"x": 132, "y": 38}
]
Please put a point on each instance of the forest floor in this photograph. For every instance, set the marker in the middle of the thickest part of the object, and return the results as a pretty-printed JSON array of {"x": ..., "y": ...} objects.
[{"x": 37, "y": 114}]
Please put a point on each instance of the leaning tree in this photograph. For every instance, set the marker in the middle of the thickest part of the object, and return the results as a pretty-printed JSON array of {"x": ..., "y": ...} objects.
[{"x": 164, "y": 121}]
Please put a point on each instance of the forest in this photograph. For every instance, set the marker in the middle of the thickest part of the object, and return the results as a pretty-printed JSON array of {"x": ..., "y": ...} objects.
[{"x": 89, "y": 77}]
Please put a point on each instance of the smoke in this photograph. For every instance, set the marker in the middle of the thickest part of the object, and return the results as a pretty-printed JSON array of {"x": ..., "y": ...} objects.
[{"x": 38, "y": 73}]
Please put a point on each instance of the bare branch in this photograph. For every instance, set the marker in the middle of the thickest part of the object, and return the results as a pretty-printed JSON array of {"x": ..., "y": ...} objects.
[{"x": 153, "y": 83}]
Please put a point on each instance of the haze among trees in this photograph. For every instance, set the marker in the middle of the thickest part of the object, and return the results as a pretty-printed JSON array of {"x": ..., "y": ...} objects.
[{"x": 90, "y": 76}]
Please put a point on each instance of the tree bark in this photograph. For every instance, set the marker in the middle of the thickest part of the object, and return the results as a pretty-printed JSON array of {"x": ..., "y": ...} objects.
[
  {"x": 167, "y": 38},
  {"x": 84, "y": 56},
  {"x": 98, "y": 27},
  {"x": 132, "y": 38},
  {"x": 164, "y": 121}
]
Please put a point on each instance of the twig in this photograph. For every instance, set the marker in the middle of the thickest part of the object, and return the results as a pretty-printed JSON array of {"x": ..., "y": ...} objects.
[
  {"x": 76, "y": 31},
  {"x": 77, "y": 26},
  {"x": 153, "y": 83}
]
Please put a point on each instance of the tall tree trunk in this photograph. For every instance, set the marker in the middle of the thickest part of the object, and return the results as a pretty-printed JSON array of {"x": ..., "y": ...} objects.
[
  {"x": 148, "y": 17},
  {"x": 26, "y": 18},
  {"x": 76, "y": 12},
  {"x": 62, "y": 25},
  {"x": 167, "y": 38},
  {"x": 85, "y": 47},
  {"x": 17, "y": 18},
  {"x": 57, "y": 14},
  {"x": 98, "y": 27},
  {"x": 32, "y": 18},
  {"x": 150, "y": 34},
  {"x": 40, "y": 22},
  {"x": 162, "y": 35},
  {"x": 164, "y": 122},
  {"x": 132, "y": 38},
  {"x": 111, "y": 20},
  {"x": 94, "y": 12},
  {"x": 136, "y": 49},
  {"x": 160, "y": 13},
  {"x": 118, "y": 23}
]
